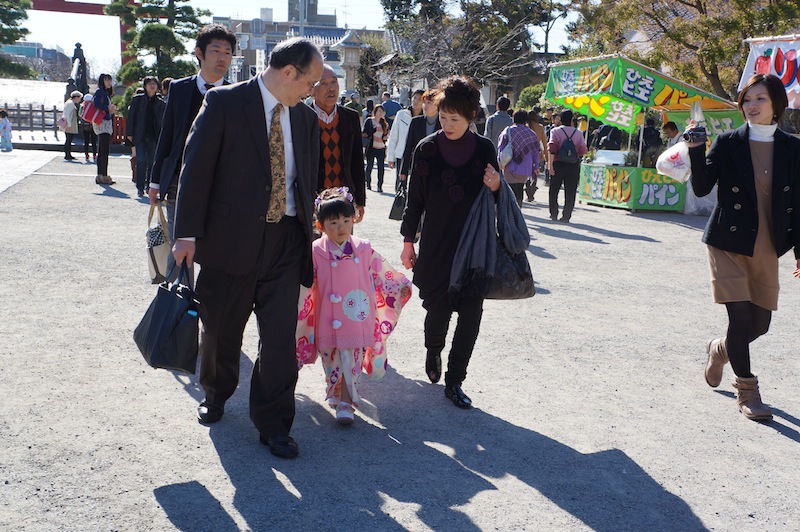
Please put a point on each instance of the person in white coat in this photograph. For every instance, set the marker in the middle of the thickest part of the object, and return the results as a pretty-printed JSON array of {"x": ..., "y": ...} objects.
[
  {"x": 399, "y": 132},
  {"x": 70, "y": 122}
]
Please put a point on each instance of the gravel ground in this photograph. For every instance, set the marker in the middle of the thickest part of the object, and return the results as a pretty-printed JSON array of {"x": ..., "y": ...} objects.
[{"x": 591, "y": 408}]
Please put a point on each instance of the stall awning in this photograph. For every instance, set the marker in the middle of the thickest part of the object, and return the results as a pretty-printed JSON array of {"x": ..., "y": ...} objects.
[{"x": 614, "y": 89}]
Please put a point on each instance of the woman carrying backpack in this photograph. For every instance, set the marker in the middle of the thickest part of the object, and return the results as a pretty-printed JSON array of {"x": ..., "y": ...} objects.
[{"x": 567, "y": 146}]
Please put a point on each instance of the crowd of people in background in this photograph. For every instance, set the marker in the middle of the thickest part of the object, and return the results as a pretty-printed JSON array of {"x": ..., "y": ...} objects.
[{"x": 389, "y": 132}]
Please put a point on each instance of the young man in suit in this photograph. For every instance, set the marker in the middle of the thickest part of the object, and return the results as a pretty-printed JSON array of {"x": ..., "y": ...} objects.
[
  {"x": 214, "y": 50},
  {"x": 143, "y": 126},
  {"x": 244, "y": 213},
  {"x": 341, "y": 162}
]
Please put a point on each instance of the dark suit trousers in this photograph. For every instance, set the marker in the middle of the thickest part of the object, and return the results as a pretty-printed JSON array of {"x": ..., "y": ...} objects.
[
  {"x": 145, "y": 157},
  {"x": 226, "y": 301}
]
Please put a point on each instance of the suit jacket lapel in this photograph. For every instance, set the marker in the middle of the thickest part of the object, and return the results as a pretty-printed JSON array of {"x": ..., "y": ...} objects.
[{"x": 257, "y": 121}]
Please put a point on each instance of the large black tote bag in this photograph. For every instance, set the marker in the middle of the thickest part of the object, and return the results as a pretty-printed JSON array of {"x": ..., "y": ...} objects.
[
  {"x": 512, "y": 278},
  {"x": 167, "y": 334}
]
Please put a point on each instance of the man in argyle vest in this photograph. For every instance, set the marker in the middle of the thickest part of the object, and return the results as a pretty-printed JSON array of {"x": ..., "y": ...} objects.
[{"x": 341, "y": 161}]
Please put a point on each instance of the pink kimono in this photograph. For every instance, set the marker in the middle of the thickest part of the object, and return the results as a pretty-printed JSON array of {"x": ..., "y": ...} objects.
[{"x": 348, "y": 313}]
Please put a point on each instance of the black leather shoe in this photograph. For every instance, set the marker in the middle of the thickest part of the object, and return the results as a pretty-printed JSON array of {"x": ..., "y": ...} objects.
[
  {"x": 208, "y": 413},
  {"x": 457, "y": 395},
  {"x": 433, "y": 367},
  {"x": 281, "y": 446}
]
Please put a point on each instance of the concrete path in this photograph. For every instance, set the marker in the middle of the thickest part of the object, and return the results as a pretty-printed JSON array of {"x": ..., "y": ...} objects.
[
  {"x": 591, "y": 408},
  {"x": 18, "y": 164}
]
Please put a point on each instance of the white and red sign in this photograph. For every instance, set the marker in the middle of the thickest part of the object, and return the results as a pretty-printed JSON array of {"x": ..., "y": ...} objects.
[{"x": 779, "y": 57}]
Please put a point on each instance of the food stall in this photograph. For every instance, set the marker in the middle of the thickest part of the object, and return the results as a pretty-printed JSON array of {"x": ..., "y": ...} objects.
[{"x": 616, "y": 90}]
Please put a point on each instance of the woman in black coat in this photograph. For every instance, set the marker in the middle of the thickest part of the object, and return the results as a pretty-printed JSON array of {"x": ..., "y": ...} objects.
[
  {"x": 449, "y": 169},
  {"x": 756, "y": 220}
]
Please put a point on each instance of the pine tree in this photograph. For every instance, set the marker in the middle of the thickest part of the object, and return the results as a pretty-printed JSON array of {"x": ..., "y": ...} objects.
[{"x": 12, "y": 13}]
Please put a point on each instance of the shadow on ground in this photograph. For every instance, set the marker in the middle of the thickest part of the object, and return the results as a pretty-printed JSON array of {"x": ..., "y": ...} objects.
[
  {"x": 688, "y": 221},
  {"x": 417, "y": 465},
  {"x": 777, "y": 414}
]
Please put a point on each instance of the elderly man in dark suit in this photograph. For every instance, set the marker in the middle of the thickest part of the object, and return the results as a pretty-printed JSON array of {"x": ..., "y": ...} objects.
[
  {"x": 341, "y": 162},
  {"x": 143, "y": 127},
  {"x": 214, "y": 50},
  {"x": 244, "y": 213}
]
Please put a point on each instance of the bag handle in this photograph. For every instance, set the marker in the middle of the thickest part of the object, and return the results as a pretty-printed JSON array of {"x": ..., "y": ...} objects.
[
  {"x": 183, "y": 275},
  {"x": 161, "y": 217}
]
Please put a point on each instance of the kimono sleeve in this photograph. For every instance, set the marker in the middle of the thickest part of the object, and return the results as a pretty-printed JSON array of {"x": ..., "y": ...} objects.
[
  {"x": 392, "y": 291},
  {"x": 305, "y": 350}
]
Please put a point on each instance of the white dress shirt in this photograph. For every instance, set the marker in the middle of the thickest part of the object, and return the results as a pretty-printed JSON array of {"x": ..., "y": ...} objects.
[
  {"x": 291, "y": 168},
  {"x": 325, "y": 117},
  {"x": 201, "y": 84}
]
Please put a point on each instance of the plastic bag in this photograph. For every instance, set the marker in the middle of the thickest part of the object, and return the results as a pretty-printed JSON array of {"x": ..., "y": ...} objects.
[
  {"x": 674, "y": 162},
  {"x": 507, "y": 154}
]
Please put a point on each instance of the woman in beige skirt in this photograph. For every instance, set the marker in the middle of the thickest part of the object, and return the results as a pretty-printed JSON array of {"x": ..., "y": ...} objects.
[{"x": 756, "y": 220}]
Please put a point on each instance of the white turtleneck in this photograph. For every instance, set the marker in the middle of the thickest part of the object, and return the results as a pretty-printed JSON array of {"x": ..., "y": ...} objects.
[{"x": 762, "y": 133}]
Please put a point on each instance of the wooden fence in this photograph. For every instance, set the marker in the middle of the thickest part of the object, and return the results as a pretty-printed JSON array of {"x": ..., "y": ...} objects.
[{"x": 45, "y": 120}]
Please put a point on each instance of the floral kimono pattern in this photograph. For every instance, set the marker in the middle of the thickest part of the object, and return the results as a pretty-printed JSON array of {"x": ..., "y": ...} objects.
[{"x": 387, "y": 292}]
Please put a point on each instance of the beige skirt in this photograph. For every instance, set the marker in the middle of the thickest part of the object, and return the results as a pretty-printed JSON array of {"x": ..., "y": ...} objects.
[{"x": 737, "y": 277}]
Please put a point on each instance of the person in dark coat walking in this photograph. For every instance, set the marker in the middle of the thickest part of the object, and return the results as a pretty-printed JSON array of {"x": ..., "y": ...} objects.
[
  {"x": 245, "y": 211},
  {"x": 214, "y": 50},
  {"x": 755, "y": 221},
  {"x": 450, "y": 167},
  {"x": 142, "y": 128}
]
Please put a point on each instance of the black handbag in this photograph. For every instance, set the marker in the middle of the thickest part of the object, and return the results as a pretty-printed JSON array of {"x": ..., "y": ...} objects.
[
  {"x": 399, "y": 204},
  {"x": 512, "y": 276},
  {"x": 167, "y": 334}
]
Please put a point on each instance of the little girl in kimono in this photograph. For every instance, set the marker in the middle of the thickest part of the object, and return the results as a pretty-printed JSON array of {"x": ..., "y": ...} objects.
[
  {"x": 5, "y": 131},
  {"x": 351, "y": 308}
]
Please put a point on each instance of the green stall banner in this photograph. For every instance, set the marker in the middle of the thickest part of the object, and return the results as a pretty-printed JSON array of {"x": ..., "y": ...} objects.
[
  {"x": 615, "y": 90},
  {"x": 636, "y": 189},
  {"x": 717, "y": 122}
]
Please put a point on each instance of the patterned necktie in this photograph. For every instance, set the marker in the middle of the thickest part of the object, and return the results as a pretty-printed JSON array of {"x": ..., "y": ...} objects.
[{"x": 277, "y": 161}]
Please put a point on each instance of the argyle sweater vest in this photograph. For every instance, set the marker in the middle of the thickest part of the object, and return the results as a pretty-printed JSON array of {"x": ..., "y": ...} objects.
[{"x": 332, "y": 168}]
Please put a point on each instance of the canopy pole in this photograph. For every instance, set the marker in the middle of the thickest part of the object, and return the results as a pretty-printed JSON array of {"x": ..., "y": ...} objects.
[
  {"x": 778, "y": 38},
  {"x": 641, "y": 138}
]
